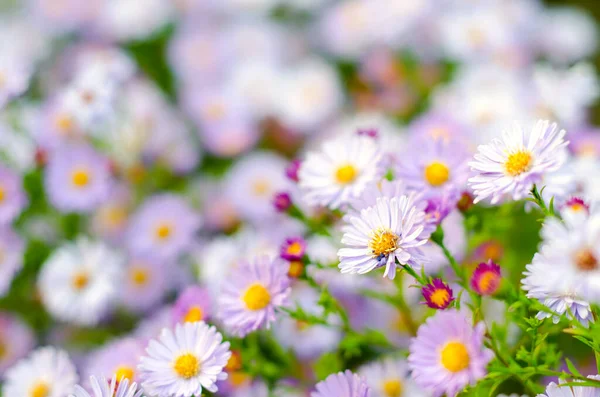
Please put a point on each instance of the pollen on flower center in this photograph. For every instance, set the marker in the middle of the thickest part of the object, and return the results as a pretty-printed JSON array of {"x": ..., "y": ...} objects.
[
  {"x": 80, "y": 280},
  {"x": 187, "y": 366},
  {"x": 2, "y": 194},
  {"x": 455, "y": 357},
  {"x": 256, "y": 297},
  {"x": 346, "y": 174},
  {"x": 124, "y": 372},
  {"x": 585, "y": 260},
  {"x": 64, "y": 123},
  {"x": 260, "y": 187},
  {"x": 3, "y": 349},
  {"x": 139, "y": 276},
  {"x": 295, "y": 248},
  {"x": 383, "y": 242},
  {"x": 486, "y": 280},
  {"x": 437, "y": 173},
  {"x": 392, "y": 388},
  {"x": 440, "y": 297},
  {"x": 194, "y": 314},
  {"x": 518, "y": 162},
  {"x": 163, "y": 231},
  {"x": 80, "y": 177},
  {"x": 40, "y": 389}
]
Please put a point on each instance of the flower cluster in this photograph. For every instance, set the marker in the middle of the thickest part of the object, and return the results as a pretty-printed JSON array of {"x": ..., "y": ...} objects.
[{"x": 257, "y": 198}]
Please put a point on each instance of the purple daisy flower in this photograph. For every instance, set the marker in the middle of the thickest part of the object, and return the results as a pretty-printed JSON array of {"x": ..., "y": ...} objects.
[
  {"x": 253, "y": 292},
  {"x": 293, "y": 249},
  {"x": 145, "y": 284},
  {"x": 117, "y": 359},
  {"x": 77, "y": 179},
  {"x": 486, "y": 278},
  {"x": 437, "y": 294},
  {"x": 164, "y": 227},
  {"x": 12, "y": 196},
  {"x": 434, "y": 167},
  {"x": 16, "y": 340},
  {"x": 193, "y": 304},
  {"x": 509, "y": 166},
  {"x": 342, "y": 384},
  {"x": 448, "y": 353},
  {"x": 439, "y": 127},
  {"x": 11, "y": 257}
]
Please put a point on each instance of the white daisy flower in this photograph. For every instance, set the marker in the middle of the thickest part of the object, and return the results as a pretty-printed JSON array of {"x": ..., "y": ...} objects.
[
  {"x": 390, "y": 231},
  {"x": 565, "y": 274},
  {"x": 184, "y": 362},
  {"x": 558, "y": 390},
  {"x": 340, "y": 171},
  {"x": 46, "y": 372},
  {"x": 390, "y": 377},
  {"x": 79, "y": 282},
  {"x": 102, "y": 388},
  {"x": 512, "y": 164}
]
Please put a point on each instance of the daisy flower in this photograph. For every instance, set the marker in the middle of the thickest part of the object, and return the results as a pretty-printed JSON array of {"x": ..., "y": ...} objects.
[
  {"x": 390, "y": 378},
  {"x": 437, "y": 294},
  {"x": 45, "y": 372},
  {"x": 16, "y": 340},
  {"x": 12, "y": 249},
  {"x": 340, "y": 171},
  {"x": 448, "y": 354},
  {"x": 77, "y": 179},
  {"x": 193, "y": 304},
  {"x": 342, "y": 384},
  {"x": 116, "y": 361},
  {"x": 184, "y": 362},
  {"x": 434, "y": 165},
  {"x": 486, "y": 278},
  {"x": 252, "y": 293},
  {"x": 512, "y": 164},
  {"x": 391, "y": 231},
  {"x": 102, "y": 388},
  {"x": 145, "y": 283},
  {"x": 79, "y": 281},
  {"x": 12, "y": 196},
  {"x": 163, "y": 227},
  {"x": 15, "y": 75},
  {"x": 554, "y": 390}
]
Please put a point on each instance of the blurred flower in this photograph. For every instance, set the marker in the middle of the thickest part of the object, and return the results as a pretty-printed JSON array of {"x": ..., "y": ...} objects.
[
  {"x": 437, "y": 294},
  {"x": 448, "y": 353},
  {"x": 554, "y": 390},
  {"x": 390, "y": 378},
  {"x": 47, "y": 371},
  {"x": 251, "y": 294},
  {"x": 145, "y": 283},
  {"x": 13, "y": 198},
  {"x": 193, "y": 304},
  {"x": 12, "y": 249},
  {"x": 486, "y": 278},
  {"x": 101, "y": 388},
  {"x": 80, "y": 281},
  {"x": 293, "y": 249},
  {"x": 291, "y": 171},
  {"x": 282, "y": 201},
  {"x": 342, "y": 384},
  {"x": 16, "y": 340},
  {"x": 15, "y": 74},
  {"x": 340, "y": 171},
  {"x": 77, "y": 179},
  {"x": 391, "y": 231},
  {"x": 116, "y": 360},
  {"x": 184, "y": 361},
  {"x": 512, "y": 165},
  {"x": 163, "y": 227}
]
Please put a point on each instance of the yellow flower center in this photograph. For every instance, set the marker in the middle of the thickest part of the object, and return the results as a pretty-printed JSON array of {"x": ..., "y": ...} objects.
[
  {"x": 215, "y": 111},
  {"x": 518, "y": 162},
  {"x": 115, "y": 216},
  {"x": 455, "y": 357},
  {"x": 64, "y": 123},
  {"x": 163, "y": 231},
  {"x": 2, "y": 194},
  {"x": 139, "y": 276},
  {"x": 585, "y": 260},
  {"x": 295, "y": 248},
  {"x": 80, "y": 280},
  {"x": 383, "y": 242},
  {"x": 3, "y": 349},
  {"x": 486, "y": 281},
  {"x": 238, "y": 378},
  {"x": 187, "y": 366},
  {"x": 437, "y": 173},
  {"x": 234, "y": 363},
  {"x": 346, "y": 174},
  {"x": 392, "y": 388},
  {"x": 256, "y": 297},
  {"x": 40, "y": 389},
  {"x": 124, "y": 372},
  {"x": 440, "y": 297},
  {"x": 575, "y": 207},
  {"x": 296, "y": 268},
  {"x": 261, "y": 187},
  {"x": 194, "y": 314},
  {"x": 80, "y": 177}
]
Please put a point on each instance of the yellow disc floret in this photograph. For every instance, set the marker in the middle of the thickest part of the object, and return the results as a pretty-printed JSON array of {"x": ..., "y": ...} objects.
[
  {"x": 455, "y": 357},
  {"x": 436, "y": 173},
  {"x": 383, "y": 242},
  {"x": 187, "y": 366},
  {"x": 518, "y": 162},
  {"x": 256, "y": 297},
  {"x": 346, "y": 174}
]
